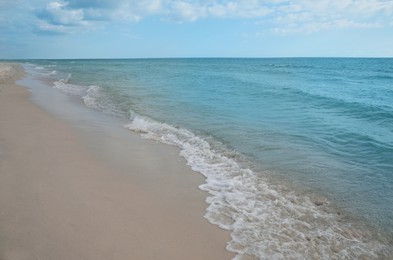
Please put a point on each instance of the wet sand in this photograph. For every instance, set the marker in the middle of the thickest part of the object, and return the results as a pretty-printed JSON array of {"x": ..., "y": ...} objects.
[{"x": 61, "y": 199}]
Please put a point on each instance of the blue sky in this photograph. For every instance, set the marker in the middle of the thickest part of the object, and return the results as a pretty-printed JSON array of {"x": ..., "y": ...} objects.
[{"x": 195, "y": 28}]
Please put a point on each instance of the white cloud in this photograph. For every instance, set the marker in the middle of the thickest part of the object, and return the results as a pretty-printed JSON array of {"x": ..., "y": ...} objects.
[
  {"x": 309, "y": 16},
  {"x": 313, "y": 26},
  {"x": 58, "y": 14},
  {"x": 283, "y": 16},
  {"x": 44, "y": 26},
  {"x": 57, "y": 17},
  {"x": 151, "y": 6},
  {"x": 191, "y": 11}
]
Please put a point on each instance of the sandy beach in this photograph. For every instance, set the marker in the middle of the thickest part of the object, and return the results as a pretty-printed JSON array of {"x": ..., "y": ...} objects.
[{"x": 60, "y": 200}]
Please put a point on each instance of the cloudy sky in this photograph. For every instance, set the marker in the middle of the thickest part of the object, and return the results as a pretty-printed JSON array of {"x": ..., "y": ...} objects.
[{"x": 195, "y": 28}]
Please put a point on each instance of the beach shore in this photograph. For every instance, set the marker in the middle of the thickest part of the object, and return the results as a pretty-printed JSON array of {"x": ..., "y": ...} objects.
[{"x": 61, "y": 200}]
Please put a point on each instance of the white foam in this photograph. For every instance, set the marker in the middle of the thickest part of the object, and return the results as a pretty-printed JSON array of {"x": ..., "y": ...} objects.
[
  {"x": 93, "y": 96},
  {"x": 266, "y": 222},
  {"x": 68, "y": 88},
  {"x": 51, "y": 73},
  {"x": 96, "y": 98},
  {"x": 90, "y": 99}
]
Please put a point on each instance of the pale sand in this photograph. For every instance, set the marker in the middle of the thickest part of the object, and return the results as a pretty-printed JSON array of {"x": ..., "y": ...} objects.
[{"x": 59, "y": 201}]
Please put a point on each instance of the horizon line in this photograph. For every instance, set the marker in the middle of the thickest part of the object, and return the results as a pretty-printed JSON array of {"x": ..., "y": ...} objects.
[{"x": 209, "y": 57}]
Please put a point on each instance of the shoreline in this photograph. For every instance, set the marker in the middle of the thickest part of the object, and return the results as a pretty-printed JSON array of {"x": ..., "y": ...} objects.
[
  {"x": 136, "y": 154},
  {"x": 60, "y": 200}
]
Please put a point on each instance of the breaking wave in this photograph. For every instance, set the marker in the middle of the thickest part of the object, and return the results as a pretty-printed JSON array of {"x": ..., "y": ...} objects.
[{"x": 266, "y": 221}]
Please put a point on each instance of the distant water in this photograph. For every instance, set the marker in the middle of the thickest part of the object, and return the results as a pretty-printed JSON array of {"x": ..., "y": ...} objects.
[{"x": 298, "y": 153}]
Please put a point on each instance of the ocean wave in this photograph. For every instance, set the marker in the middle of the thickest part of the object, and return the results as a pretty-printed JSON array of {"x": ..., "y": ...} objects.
[
  {"x": 96, "y": 98},
  {"x": 360, "y": 109},
  {"x": 93, "y": 96},
  {"x": 292, "y": 66},
  {"x": 51, "y": 73},
  {"x": 379, "y": 77},
  {"x": 90, "y": 99},
  {"x": 266, "y": 221},
  {"x": 69, "y": 88}
]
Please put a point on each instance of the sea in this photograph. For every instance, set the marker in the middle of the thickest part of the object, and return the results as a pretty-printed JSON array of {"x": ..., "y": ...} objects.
[{"x": 297, "y": 152}]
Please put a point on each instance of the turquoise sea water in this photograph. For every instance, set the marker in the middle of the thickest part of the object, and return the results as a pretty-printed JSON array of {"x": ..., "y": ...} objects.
[{"x": 298, "y": 153}]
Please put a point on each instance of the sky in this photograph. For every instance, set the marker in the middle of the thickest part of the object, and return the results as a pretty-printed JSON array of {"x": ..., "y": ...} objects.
[{"x": 46, "y": 29}]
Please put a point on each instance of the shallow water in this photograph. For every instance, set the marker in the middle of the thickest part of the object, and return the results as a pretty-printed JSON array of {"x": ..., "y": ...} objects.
[{"x": 297, "y": 152}]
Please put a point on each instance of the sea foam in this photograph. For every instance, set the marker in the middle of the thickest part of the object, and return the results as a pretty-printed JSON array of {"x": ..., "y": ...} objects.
[
  {"x": 266, "y": 221},
  {"x": 96, "y": 99},
  {"x": 68, "y": 88}
]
